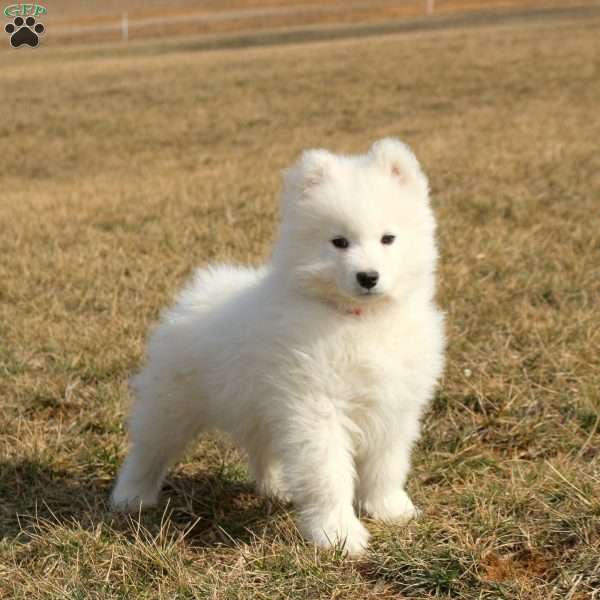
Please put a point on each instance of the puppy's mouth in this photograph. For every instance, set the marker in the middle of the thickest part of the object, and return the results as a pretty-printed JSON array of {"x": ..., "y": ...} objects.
[
  {"x": 361, "y": 302},
  {"x": 368, "y": 295}
]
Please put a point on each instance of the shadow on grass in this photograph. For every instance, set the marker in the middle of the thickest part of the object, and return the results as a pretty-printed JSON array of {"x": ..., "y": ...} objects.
[{"x": 212, "y": 509}]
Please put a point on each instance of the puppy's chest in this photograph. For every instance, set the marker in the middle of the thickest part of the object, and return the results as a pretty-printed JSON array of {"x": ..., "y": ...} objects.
[{"x": 354, "y": 371}]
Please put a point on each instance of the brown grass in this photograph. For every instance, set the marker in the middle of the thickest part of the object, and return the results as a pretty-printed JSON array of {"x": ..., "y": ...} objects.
[{"x": 124, "y": 169}]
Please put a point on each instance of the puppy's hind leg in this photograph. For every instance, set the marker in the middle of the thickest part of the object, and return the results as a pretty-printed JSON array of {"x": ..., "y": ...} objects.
[
  {"x": 265, "y": 469},
  {"x": 163, "y": 421}
]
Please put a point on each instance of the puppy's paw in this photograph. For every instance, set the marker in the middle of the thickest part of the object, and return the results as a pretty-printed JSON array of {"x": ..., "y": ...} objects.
[
  {"x": 394, "y": 507},
  {"x": 333, "y": 531},
  {"x": 271, "y": 487},
  {"x": 126, "y": 498}
]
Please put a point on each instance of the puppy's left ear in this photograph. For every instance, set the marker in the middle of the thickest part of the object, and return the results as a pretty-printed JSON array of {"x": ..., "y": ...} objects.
[{"x": 399, "y": 161}]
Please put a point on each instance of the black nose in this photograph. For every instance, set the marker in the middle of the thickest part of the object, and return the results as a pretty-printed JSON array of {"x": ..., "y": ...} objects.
[{"x": 367, "y": 279}]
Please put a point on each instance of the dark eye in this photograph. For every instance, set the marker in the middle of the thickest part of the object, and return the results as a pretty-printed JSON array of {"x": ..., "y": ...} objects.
[
  {"x": 388, "y": 239},
  {"x": 340, "y": 242}
]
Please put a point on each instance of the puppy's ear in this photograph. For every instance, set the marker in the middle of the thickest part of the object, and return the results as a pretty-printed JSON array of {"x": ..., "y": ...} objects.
[
  {"x": 398, "y": 160},
  {"x": 312, "y": 168}
]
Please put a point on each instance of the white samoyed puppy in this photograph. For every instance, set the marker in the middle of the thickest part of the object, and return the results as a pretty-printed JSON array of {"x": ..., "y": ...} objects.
[{"x": 318, "y": 364}]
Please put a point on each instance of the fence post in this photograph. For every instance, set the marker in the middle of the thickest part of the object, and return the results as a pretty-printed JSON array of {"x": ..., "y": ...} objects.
[
  {"x": 429, "y": 6},
  {"x": 125, "y": 26}
]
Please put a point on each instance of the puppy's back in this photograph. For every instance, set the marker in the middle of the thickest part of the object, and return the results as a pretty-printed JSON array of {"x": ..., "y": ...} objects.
[{"x": 211, "y": 288}]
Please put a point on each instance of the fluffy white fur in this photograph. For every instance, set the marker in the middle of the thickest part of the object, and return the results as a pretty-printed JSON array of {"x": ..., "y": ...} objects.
[{"x": 320, "y": 380}]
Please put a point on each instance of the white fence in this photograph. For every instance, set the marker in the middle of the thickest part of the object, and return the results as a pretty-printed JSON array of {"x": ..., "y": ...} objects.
[{"x": 125, "y": 23}]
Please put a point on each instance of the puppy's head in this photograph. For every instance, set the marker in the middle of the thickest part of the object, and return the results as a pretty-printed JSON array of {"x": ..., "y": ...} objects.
[{"x": 357, "y": 230}]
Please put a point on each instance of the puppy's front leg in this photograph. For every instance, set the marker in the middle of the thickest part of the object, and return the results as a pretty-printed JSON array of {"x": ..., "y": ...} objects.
[
  {"x": 318, "y": 468},
  {"x": 383, "y": 472}
]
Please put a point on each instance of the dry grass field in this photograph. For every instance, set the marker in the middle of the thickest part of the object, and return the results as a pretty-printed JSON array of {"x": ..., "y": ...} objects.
[{"x": 123, "y": 168}]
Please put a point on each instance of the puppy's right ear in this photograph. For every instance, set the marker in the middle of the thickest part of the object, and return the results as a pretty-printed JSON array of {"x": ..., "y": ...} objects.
[
  {"x": 311, "y": 169},
  {"x": 399, "y": 161}
]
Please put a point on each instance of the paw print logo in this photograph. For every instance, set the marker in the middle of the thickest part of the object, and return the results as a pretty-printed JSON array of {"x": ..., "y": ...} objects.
[{"x": 24, "y": 32}]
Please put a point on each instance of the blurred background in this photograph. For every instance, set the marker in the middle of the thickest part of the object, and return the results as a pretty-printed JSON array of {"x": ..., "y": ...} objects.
[{"x": 88, "y": 21}]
